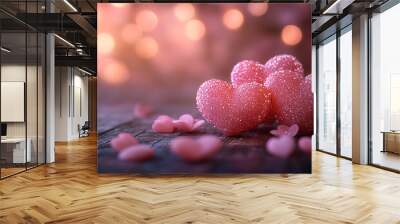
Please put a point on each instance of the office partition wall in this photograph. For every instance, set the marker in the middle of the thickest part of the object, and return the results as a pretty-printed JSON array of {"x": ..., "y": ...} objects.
[
  {"x": 22, "y": 87},
  {"x": 334, "y": 94},
  {"x": 327, "y": 95},
  {"x": 346, "y": 92},
  {"x": 385, "y": 89}
]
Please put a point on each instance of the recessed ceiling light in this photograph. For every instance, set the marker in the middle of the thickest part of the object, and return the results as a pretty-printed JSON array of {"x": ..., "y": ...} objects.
[
  {"x": 5, "y": 50},
  {"x": 64, "y": 40},
  {"x": 70, "y": 5}
]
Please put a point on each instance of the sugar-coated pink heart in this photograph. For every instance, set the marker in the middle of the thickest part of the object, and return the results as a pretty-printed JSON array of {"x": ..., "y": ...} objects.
[
  {"x": 281, "y": 147},
  {"x": 193, "y": 150},
  {"x": 283, "y": 62},
  {"x": 139, "y": 152},
  {"x": 304, "y": 144},
  {"x": 142, "y": 110},
  {"x": 163, "y": 124},
  {"x": 233, "y": 110},
  {"x": 285, "y": 130},
  {"x": 122, "y": 141},
  {"x": 247, "y": 71},
  {"x": 292, "y": 99}
]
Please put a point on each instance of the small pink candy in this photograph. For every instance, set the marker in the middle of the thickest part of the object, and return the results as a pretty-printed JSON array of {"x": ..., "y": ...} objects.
[
  {"x": 163, "y": 124},
  {"x": 304, "y": 144},
  {"x": 137, "y": 153},
  {"x": 198, "y": 149},
  {"x": 281, "y": 147},
  {"x": 186, "y": 123},
  {"x": 142, "y": 110},
  {"x": 122, "y": 141},
  {"x": 285, "y": 130},
  {"x": 197, "y": 124}
]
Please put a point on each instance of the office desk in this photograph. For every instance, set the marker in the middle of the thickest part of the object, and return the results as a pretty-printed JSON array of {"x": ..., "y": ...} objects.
[
  {"x": 391, "y": 141},
  {"x": 17, "y": 147}
]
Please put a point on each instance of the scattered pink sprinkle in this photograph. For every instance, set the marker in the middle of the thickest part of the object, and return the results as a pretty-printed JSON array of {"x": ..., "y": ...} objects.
[
  {"x": 137, "y": 153},
  {"x": 163, "y": 124},
  {"x": 192, "y": 150},
  {"x": 142, "y": 110},
  {"x": 304, "y": 144},
  {"x": 122, "y": 141},
  {"x": 285, "y": 130},
  {"x": 281, "y": 147}
]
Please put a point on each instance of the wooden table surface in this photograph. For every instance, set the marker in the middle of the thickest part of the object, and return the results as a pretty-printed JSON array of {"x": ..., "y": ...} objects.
[{"x": 240, "y": 154}]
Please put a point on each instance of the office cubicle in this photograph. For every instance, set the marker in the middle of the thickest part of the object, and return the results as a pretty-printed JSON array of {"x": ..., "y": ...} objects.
[{"x": 22, "y": 95}]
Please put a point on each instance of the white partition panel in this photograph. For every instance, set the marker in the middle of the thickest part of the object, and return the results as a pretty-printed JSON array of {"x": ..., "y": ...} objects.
[{"x": 12, "y": 101}]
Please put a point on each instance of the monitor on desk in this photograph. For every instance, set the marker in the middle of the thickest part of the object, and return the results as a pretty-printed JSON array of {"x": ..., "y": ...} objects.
[{"x": 3, "y": 130}]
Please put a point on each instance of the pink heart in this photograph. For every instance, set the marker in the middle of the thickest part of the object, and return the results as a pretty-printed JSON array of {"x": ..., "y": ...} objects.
[
  {"x": 292, "y": 99},
  {"x": 186, "y": 123},
  {"x": 246, "y": 72},
  {"x": 304, "y": 144},
  {"x": 198, "y": 149},
  {"x": 137, "y": 153},
  {"x": 285, "y": 130},
  {"x": 163, "y": 124},
  {"x": 233, "y": 110},
  {"x": 281, "y": 63},
  {"x": 122, "y": 141},
  {"x": 281, "y": 147},
  {"x": 142, "y": 110}
]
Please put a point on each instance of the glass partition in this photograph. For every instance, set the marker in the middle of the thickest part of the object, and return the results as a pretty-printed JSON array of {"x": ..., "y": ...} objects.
[
  {"x": 14, "y": 153},
  {"x": 385, "y": 89},
  {"x": 346, "y": 93},
  {"x": 327, "y": 95},
  {"x": 23, "y": 91}
]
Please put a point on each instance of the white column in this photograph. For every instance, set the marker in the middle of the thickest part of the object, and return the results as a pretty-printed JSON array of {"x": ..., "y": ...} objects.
[
  {"x": 50, "y": 92},
  {"x": 360, "y": 90},
  {"x": 50, "y": 99}
]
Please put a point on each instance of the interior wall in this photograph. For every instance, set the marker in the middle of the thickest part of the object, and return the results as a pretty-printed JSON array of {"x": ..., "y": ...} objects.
[
  {"x": 71, "y": 102},
  {"x": 17, "y": 73}
]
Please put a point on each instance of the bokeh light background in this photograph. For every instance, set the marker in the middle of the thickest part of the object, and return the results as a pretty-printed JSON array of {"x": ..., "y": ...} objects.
[{"x": 161, "y": 53}]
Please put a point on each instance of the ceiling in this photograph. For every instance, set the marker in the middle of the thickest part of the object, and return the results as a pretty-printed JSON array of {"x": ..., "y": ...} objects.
[{"x": 76, "y": 22}]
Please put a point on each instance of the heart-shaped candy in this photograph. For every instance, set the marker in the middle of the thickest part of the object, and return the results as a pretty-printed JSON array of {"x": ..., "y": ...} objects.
[
  {"x": 283, "y": 62},
  {"x": 193, "y": 150},
  {"x": 233, "y": 110},
  {"x": 163, "y": 124},
  {"x": 281, "y": 147},
  {"x": 305, "y": 144},
  {"x": 122, "y": 141},
  {"x": 292, "y": 99},
  {"x": 247, "y": 71},
  {"x": 136, "y": 153}
]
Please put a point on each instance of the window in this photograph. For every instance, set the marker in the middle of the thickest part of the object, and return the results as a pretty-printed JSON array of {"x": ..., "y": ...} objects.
[
  {"x": 385, "y": 89},
  {"x": 346, "y": 92},
  {"x": 327, "y": 96}
]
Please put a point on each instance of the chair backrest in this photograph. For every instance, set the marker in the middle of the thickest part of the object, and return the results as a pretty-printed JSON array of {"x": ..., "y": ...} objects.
[{"x": 86, "y": 125}]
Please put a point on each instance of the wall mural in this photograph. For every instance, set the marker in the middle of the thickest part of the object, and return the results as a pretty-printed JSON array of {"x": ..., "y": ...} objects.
[{"x": 204, "y": 88}]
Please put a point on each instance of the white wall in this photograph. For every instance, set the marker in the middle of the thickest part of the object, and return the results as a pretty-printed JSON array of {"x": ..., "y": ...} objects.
[{"x": 71, "y": 87}]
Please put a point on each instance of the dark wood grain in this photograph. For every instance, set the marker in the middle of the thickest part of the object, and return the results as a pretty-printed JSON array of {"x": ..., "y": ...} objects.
[{"x": 240, "y": 154}]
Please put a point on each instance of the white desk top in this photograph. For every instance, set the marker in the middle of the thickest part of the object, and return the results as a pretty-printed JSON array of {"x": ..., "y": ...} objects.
[{"x": 13, "y": 140}]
